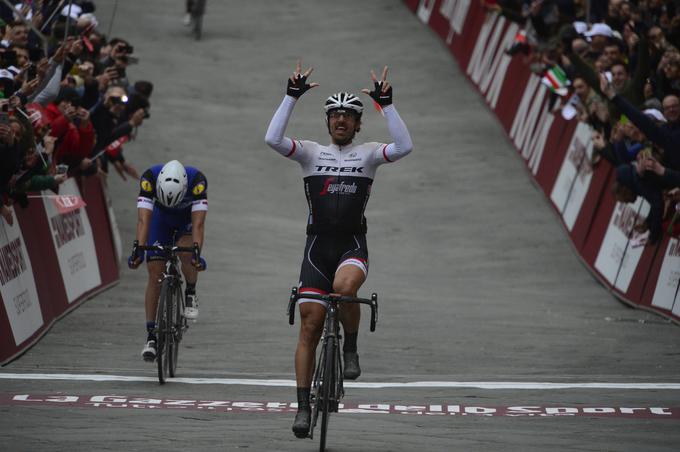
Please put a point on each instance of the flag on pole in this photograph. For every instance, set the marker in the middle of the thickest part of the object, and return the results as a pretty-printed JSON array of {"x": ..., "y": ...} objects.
[{"x": 556, "y": 80}]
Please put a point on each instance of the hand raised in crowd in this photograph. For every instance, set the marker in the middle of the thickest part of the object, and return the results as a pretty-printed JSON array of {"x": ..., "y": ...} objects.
[
  {"x": 60, "y": 53},
  {"x": 41, "y": 68},
  {"x": 37, "y": 19},
  {"x": 48, "y": 144},
  {"x": 76, "y": 48},
  {"x": 382, "y": 90},
  {"x": 137, "y": 118},
  {"x": 297, "y": 83},
  {"x": 103, "y": 81},
  {"x": 119, "y": 50},
  {"x": 29, "y": 86},
  {"x": 650, "y": 164},
  {"x": 85, "y": 163},
  {"x": 606, "y": 87}
]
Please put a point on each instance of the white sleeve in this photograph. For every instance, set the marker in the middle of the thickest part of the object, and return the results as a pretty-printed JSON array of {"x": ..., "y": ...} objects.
[
  {"x": 402, "y": 145},
  {"x": 277, "y": 127}
]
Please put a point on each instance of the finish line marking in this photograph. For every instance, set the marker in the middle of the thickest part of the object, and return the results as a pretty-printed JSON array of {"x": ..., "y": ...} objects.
[
  {"x": 348, "y": 384},
  {"x": 234, "y": 406}
]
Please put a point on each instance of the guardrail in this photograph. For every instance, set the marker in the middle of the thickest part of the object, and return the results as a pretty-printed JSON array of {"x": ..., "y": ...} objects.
[
  {"x": 557, "y": 156},
  {"x": 56, "y": 255}
]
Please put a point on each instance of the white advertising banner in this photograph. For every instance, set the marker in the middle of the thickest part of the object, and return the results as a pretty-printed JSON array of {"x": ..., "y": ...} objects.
[
  {"x": 574, "y": 178},
  {"x": 425, "y": 10},
  {"x": 17, "y": 284},
  {"x": 666, "y": 291},
  {"x": 617, "y": 258},
  {"x": 74, "y": 243}
]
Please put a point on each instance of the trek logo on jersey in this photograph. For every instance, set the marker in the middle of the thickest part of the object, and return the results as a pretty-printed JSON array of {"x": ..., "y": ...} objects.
[
  {"x": 198, "y": 189},
  {"x": 146, "y": 186},
  {"x": 342, "y": 169},
  {"x": 329, "y": 187}
]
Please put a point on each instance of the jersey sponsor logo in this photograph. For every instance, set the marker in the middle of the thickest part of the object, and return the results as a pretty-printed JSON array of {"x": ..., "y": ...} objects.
[
  {"x": 352, "y": 155},
  {"x": 341, "y": 169},
  {"x": 146, "y": 186},
  {"x": 329, "y": 187},
  {"x": 198, "y": 189},
  {"x": 326, "y": 154}
]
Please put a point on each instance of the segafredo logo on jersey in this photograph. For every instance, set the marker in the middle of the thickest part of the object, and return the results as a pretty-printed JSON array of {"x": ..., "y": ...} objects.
[
  {"x": 339, "y": 169},
  {"x": 329, "y": 187}
]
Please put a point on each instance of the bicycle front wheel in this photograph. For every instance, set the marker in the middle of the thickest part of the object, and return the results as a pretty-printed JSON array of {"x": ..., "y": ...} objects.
[
  {"x": 327, "y": 388},
  {"x": 175, "y": 313},
  {"x": 164, "y": 336}
]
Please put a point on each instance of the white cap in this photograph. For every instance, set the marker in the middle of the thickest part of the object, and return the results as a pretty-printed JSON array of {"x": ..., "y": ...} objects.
[
  {"x": 599, "y": 29},
  {"x": 655, "y": 114},
  {"x": 580, "y": 27},
  {"x": 74, "y": 9},
  {"x": 4, "y": 73}
]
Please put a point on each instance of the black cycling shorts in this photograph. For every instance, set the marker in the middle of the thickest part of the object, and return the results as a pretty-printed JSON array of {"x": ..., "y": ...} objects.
[{"x": 324, "y": 255}]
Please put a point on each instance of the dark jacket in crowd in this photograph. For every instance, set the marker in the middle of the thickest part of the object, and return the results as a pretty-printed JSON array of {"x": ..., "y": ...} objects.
[{"x": 667, "y": 136}]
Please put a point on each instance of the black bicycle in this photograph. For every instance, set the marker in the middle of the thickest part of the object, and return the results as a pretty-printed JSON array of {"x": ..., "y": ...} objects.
[
  {"x": 327, "y": 386},
  {"x": 170, "y": 321}
]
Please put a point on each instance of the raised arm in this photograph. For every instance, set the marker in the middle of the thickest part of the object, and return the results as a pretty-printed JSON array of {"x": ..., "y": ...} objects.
[
  {"x": 382, "y": 96},
  {"x": 296, "y": 87}
]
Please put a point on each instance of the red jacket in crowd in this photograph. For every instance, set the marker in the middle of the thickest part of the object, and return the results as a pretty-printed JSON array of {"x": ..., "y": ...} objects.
[{"x": 73, "y": 143}]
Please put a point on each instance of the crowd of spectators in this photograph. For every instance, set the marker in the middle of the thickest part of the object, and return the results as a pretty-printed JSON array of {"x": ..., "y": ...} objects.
[
  {"x": 67, "y": 106},
  {"x": 622, "y": 62}
]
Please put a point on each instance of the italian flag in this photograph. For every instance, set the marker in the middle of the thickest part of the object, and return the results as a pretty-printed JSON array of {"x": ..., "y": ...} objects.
[{"x": 556, "y": 80}]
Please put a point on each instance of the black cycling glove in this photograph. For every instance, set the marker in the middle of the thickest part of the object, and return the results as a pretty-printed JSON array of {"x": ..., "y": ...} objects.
[
  {"x": 382, "y": 99},
  {"x": 298, "y": 87},
  {"x": 136, "y": 254}
]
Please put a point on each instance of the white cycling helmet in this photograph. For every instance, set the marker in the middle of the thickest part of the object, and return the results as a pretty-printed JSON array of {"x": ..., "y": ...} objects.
[
  {"x": 171, "y": 184},
  {"x": 344, "y": 101}
]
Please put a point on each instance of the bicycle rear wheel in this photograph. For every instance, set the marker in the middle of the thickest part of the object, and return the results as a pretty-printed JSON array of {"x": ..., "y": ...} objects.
[
  {"x": 163, "y": 338},
  {"x": 327, "y": 388},
  {"x": 174, "y": 313}
]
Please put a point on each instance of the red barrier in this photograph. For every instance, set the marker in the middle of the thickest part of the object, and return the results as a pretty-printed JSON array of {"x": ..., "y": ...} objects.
[
  {"x": 51, "y": 260},
  {"x": 558, "y": 155}
]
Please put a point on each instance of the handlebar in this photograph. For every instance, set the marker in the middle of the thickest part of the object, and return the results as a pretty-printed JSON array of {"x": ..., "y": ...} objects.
[
  {"x": 329, "y": 298},
  {"x": 167, "y": 249}
]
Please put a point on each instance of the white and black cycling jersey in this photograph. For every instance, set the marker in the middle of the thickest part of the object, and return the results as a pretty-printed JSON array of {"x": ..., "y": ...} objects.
[{"x": 337, "y": 179}]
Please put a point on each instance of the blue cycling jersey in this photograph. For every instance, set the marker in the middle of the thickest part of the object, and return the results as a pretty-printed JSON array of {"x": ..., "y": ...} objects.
[{"x": 196, "y": 197}]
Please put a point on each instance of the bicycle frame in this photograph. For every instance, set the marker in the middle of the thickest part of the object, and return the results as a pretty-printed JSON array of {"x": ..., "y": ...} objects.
[
  {"x": 327, "y": 384},
  {"x": 170, "y": 321}
]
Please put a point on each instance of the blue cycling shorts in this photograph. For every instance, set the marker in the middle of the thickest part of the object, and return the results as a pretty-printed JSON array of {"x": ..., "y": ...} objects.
[{"x": 166, "y": 227}]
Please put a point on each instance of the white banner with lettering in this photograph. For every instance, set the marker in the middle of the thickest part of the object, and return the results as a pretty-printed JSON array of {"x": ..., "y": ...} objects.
[
  {"x": 618, "y": 258},
  {"x": 17, "y": 285},
  {"x": 666, "y": 294},
  {"x": 74, "y": 243},
  {"x": 574, "y": 178}
]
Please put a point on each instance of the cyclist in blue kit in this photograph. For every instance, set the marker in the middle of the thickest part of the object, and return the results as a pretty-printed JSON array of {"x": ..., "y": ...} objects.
[
  {"x": 338, "y": 179},
  {"x": 171, "y": 208}
]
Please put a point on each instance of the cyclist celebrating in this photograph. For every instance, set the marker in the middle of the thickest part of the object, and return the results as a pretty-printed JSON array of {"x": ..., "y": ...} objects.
[
  {"x": 171, "y": 208},
  {"x": 337, "y": 179}
]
